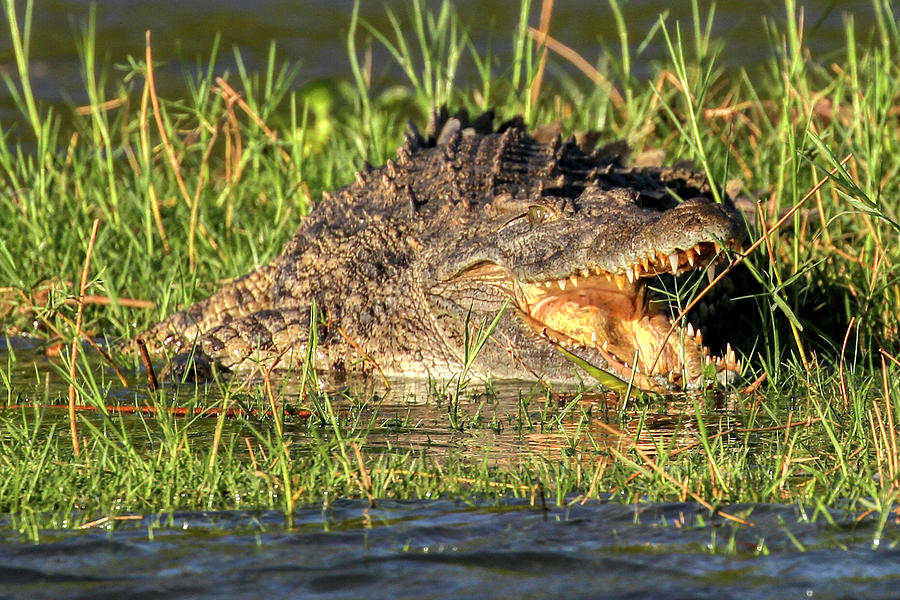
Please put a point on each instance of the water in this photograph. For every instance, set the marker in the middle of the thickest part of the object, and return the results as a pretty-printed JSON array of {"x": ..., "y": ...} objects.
[
  {"x": 411, "y": 415},
  {"x": 449, "y": 548},
  {"x": 313, "y": 34},
  {"x": 441, "y": 549}
]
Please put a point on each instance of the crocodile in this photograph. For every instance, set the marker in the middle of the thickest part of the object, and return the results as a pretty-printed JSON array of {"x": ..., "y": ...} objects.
[{"x": 468, "y": 222}]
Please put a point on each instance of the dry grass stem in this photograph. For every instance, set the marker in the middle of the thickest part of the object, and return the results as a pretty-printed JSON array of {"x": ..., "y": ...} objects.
[
  {"x": 73, "y": 368},
  {"x": 662, "y": 473},
  {"x": 232, "y": 97},
  {"x": 580, "y": 63},
  {"x": 152, "y": 384},
  {"x": 843, "y": 382},
  {"x": 543, "y": 33},
  {"x": 365, "y": 479}
]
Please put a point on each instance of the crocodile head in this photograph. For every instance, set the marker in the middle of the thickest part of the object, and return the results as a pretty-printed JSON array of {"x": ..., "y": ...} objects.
[
  {"x": 468, "y": 220},
  {"x": 575, "y": 271}
]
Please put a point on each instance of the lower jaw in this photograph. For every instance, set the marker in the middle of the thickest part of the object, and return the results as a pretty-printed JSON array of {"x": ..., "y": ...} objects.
[
  {"x": 650, "y": 372},
  {"x": 646, "y": 340}
]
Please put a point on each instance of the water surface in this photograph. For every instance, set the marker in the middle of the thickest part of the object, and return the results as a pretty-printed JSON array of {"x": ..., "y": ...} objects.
[
  {"x": 441, "y": 549},
  {"x": 313, "y": 34}
]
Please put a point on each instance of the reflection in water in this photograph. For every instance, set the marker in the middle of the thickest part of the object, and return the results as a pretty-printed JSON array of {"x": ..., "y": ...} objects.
[
  {"x": 504, "y": 422},
  {"x": 508, "y": 421}
]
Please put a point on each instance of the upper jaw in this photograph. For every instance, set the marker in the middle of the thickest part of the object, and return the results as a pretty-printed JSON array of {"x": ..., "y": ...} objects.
[
  {"x": 626, "y": 245},
  {"x": 647, "y": 265}
]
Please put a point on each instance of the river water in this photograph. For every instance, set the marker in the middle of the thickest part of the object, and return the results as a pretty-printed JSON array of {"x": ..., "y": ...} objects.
[
  {"x": 313, "y": 34},
  {"x": 442, "y": 549}
]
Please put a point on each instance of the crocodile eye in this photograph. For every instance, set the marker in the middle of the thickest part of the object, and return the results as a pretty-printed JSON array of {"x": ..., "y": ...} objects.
[{"x": 538, "y": 213}]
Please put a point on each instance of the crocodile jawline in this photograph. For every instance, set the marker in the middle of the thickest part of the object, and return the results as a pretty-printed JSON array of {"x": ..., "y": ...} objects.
[{"x": 614, "y": 314}]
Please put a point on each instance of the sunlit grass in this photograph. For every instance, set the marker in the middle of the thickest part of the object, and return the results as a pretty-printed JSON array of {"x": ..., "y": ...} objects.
[{"x": 193, "y": 190}]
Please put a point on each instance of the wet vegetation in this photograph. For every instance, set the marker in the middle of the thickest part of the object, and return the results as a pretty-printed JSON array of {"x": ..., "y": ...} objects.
[{"x": 189, "y": 191}]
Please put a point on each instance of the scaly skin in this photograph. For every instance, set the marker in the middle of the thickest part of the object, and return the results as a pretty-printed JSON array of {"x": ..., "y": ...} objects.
[{"x": 462, "y": 222}]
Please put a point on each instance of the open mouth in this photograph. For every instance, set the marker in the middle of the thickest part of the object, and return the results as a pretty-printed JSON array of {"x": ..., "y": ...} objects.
[{"x": 618, "y": 317}]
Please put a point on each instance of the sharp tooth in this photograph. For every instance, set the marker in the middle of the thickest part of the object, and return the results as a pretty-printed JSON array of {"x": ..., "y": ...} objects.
[
  {"x": 620, "y": 281},
  {"x": 608, "y": 277},
  {"x": 598, "y": 271},
  {"x": 562, "y": 284},
  {"x": 630, "y": 275},
  {"x": 585, "y": 272},
  {"x": 646, "y": 263},
  {"x": 690, "y": 256},
  {"x": 673, "y": 260},
  {"x": 594, "y": 337},
  {"x": 605, "y": 345},
  {"x": 574, "y": 280},
  {"x": 690, "y": 330},
  {"x": 711, "y": 273}
]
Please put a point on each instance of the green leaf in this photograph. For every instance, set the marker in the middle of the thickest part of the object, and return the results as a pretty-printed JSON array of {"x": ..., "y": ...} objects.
[{"x": 606, "y": 379}]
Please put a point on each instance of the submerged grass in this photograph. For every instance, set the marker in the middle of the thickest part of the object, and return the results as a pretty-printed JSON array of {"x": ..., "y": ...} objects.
[{"x": 193, "y": 190}]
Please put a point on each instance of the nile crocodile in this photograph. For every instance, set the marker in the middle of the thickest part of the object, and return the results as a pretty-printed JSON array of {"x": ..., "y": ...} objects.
[{"x": 466, "y": 219}]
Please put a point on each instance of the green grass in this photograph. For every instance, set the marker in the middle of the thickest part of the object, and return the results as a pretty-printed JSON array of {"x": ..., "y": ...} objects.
[{"x": 218, "y": 194}]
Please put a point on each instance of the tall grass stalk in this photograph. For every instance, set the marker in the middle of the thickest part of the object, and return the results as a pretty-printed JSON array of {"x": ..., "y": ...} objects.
[
  {"x": 693, "y": 94},
  {"x": 21, "y": 42},
  {"x": 99, "y": 125},
  {"x": 472, "y": 347}
]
